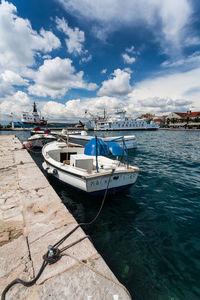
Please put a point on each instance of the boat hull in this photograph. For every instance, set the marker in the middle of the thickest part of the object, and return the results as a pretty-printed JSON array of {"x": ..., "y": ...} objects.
[
  {"x": 39, "y": 143},
  {"x": 122, "y": 124},
  {"x": 125, "y": 129},
  {"x": 42, "y": 123},
  {"x": 26, "y": 125},
  {"x": 111, "y": 191},
  {"x": 95, "y": 185}
]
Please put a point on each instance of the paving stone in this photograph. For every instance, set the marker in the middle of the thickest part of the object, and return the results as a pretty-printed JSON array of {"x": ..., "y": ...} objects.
[
  {"x": 13, "y": 212},
  {"x": 2, "y": 201},
  {"x": 15, "y": 291},
  {"x": 78, "y": 284},
  {"x": 13, "y": 227},
  {"x": 22, "y": 157},
  {"x": 16, "y": 254},
  {"x": 6, "y": 161},
  {"x": 30, "y": 177},
  {"x": 4, "y": 238},
  {"x": 7, "y": 206},
  {"x": 8, "y": 179},
  {"x": 43, "y": 212},
  {"x": 6, "y": 194}
]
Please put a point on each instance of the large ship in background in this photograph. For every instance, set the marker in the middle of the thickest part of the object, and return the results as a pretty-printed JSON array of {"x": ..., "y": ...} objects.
[
  {"x": 31, "y": 119},
  {"x": 119, "y": 122}
]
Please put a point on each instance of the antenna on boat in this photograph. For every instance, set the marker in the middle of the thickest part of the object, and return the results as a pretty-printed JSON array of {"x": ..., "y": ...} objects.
[{"x": 67, "y": 138}]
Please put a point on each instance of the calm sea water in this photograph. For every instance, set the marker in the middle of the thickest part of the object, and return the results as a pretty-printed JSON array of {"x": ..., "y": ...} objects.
[{"x": 150, "y": 234}]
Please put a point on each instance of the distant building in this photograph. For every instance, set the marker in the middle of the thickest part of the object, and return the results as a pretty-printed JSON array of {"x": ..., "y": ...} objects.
[
  {"x": 165, "y": 118},
  {"x": 193, "y": 115},
  {"x": 189, "y": 120},
  {"x": 158, "y": 120},
  {"x": 177, "y": 116},
  {"x": 147, "y": 116}
]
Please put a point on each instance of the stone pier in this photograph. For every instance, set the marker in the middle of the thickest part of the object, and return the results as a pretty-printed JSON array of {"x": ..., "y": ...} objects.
[{"x": 32, "y": 216}]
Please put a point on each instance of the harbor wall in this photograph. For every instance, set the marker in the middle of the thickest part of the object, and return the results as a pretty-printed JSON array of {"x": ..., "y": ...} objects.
[{"x": 32, "y": 216}]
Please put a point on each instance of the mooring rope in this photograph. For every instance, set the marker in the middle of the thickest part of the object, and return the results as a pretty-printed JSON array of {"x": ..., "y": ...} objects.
[{"x": 54, "y": 253}]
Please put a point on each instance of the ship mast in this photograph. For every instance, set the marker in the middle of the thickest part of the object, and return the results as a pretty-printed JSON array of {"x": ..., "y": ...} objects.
[{"x": 34, "y": 107}]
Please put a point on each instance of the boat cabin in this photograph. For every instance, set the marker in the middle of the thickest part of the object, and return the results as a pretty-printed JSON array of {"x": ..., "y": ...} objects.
[{"x": 62, "y": 153}]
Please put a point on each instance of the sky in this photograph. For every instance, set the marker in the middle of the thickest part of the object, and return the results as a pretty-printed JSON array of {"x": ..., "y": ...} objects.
[{"x": 76, "y": 55}]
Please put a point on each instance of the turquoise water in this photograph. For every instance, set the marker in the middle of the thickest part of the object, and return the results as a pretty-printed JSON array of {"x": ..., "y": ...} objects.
[{"x": 150, "y": 234}]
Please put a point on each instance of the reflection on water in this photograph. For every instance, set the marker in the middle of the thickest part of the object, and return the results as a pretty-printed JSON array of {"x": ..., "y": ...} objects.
[{"x": 150, "y": 234}]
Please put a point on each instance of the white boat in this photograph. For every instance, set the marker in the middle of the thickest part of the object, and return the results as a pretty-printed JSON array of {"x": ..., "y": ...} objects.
[
  {"x": 70, "y": 165},
  {"x": 83, "y": 139},
  {"x": 120, "y": 122},
  {"x": 38, "y": 140}
]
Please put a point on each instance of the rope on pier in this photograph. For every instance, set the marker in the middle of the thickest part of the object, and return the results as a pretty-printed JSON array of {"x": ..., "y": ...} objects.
[{"x": 54, "y": 253}]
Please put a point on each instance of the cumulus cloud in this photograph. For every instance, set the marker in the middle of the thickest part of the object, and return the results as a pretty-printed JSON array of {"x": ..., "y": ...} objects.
[
  {"x": 68, "y": 110},
  {"x": 179, "y": 85},
  {"x": 192, "y": 41},
  {"x": 8, "y": 80},
  {"x": 13, "y": 78},
  {"x": 95, "y": 106},
  {"x": 164, "y": 104},
  {"x": 118, "y": 85},
  {"x": 56, "y": 76},
  {"x": 61, "y": 111},
  {"x": 168, "y": 20},
  {"x": 5, "y": 88},
  {"x": 128, "y": 59},
  {"x": 85, "y": 59},
  {"x": 190, "y": 62},
  {"x": 75, "y": 39},
  {"x": 130, "y": 50},
  {"x": 155, "y": 105},
  {"x": 161, "y": 95},
  {"x": 19, "y": 43},
  {"x": 15, "y": 103},
  {"x": 104, "y": 71}
]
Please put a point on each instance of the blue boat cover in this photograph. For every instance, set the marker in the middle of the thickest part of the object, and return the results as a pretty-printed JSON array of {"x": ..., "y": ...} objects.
[
  {"x": 101, "y": 149},
  {"x": 116, "y": 149}
]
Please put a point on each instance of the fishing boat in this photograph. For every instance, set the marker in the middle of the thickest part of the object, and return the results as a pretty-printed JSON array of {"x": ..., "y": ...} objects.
[
  {"x": 120, "y": 122},
  {"x": 88, "y": 169},
  {"x": 39, "y": 140},
  {"x": 84, "y": 138}
]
